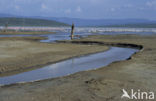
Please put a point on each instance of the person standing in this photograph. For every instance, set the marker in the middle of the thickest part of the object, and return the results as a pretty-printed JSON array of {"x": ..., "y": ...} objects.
[{"x": 72, "y": 31}]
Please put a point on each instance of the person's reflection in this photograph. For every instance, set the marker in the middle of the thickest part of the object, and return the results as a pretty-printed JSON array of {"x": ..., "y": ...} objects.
[{"x": 72, "y": 65}]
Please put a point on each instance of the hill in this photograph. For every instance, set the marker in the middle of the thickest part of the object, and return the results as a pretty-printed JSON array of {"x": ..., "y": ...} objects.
[
  {"x": 13, "y": 21},
  {"x": 65, "y": 21}
]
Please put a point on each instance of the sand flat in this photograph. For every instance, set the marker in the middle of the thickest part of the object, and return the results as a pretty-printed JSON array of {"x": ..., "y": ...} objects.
[{"x": 104, "y": 84}]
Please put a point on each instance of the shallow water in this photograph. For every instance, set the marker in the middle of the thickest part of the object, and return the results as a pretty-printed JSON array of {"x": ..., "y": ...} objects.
[
  {"x": 71, "y": 66},
  {"x": 52, "y": 37},
  {"x": 63, "y": 33}
]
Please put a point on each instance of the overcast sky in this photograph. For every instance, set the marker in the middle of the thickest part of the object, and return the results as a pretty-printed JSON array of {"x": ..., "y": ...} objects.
[{"x": 103, "y": 9}]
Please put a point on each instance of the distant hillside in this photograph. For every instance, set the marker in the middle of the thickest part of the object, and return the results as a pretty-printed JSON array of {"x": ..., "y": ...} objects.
[
  {"x": 12, "y": 21},
  {"x": 141, "y": 25},
  {"x": 86, "y": 22}
]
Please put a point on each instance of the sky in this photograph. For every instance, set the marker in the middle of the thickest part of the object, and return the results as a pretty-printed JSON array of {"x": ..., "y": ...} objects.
[{"x": 88, "y": 9}]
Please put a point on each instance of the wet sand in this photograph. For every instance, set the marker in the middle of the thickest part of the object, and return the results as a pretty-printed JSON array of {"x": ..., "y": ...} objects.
[
  {"x": 25, "y": 32},
  {"x": 104, "y": 84}
]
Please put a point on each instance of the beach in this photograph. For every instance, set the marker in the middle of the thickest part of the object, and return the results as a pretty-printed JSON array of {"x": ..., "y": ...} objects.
[{"x": 104, "y": 84}]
